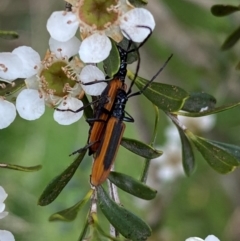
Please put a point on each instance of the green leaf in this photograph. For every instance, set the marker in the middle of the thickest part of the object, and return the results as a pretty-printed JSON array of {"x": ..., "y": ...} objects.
[
  {"x": 10, "y": 91},
  {"x": 20, "y": 168},
  {"x": 8, "y": 34},
  {"x": 187, "y": 153},
  {"x": 218, "y": 158},
  {"x": 112, "y": 62},
  {"x": 231, "y": 149},
  {"x": 70, "y": 214},
  {"x": 128, "y": 224},
  {"x": 199, "y": 100},
  {"x": 140, "y": 148},
  {"x": 166, "y": 97},
  {"x": 231, "y": 39},
  {"x": 208, "y": 112},
  {"x": 132, "y": 186},
  {"x": 55, "y": 187},
  {"x": 220, "y": 10}
]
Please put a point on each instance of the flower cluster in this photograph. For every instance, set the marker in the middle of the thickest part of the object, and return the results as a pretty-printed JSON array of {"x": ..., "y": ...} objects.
[
  {"x": 58, "y": 79},
  {"x": 4, "y": 234},
  {"x": 208, "y": 238}
]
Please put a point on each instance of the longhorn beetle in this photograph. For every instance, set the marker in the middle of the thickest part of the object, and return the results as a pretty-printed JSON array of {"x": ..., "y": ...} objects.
[
  {"x": 109, "y": 144},
  {"x": 106, "y": 100}
]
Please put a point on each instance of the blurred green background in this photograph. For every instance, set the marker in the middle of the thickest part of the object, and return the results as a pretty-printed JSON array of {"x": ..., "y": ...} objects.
[{"x": 205, "y": 203}]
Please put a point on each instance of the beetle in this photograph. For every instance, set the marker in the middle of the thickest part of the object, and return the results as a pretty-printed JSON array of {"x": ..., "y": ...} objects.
[
  {"x": 109, "y": 144},
  {"x": 106, "y": 100}
]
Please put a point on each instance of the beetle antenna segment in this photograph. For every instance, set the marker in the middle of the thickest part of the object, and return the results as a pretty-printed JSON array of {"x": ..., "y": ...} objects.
[{"x": 152, "y": 79}]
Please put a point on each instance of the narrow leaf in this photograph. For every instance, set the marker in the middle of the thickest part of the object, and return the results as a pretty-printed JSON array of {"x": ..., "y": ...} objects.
[
  {"x": 219, "y": 159},
  {"x": 8, "y": 34},
  {"x": 231, "y": 39},
  {"x": 20, "y": 168},
  {"x": 9, "y": 89},
  {"x": 132, "y": 186},
  {"x": 140, "y": 148},
  {"x": 208, "y": 112},
  {"x": 70, "y": 214},
  {"x": 55, "y": 187},
  {"x": 220, "y": 10},
  {"x": 112, "y": 62},
  {"x": 166, "y": 97},
  {"x": 231, "y": 149},
  {"x": 187, "y": 153},
  {"x": 129, "y": 225},
  {"x": 198, "y": 101}
]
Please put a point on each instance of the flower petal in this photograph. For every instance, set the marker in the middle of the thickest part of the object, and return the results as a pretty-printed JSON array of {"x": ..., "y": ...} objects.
[
  {"x": 91, "y": 73},
  {"x": 62, "y": 25},
  {"x": 194, "y": 239},
  {"x": 3, "y": 194},
  {"x": 132, "y": 21},
  {"x": 7, "y": 115},
  {"x": 29, "y": 105},
  {"x": 62, "y": 49},
  {"x": 211, "y": 238},
  {"x": 95, "y": 48},
  {"x": 32, "y": 82},
  {"x": 10, "y": 66},
  {"x": 2, "y": 207},
  {"x": 30, "y": 59},
  {"x": 6, "y": 236},
  {"x": 68, "y": 117}
]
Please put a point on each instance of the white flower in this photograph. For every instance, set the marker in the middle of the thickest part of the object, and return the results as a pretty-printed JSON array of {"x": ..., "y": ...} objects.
[
  {"x": 21, "y": 63},
  {"x": 198, "y": 124},
  {"x": 3, "y": 196},
  {"x": 10, "y": 66},
  {"x": 68, "y": 117},
  {"x": 6, "y": 236},
  {"x": 7, "y": 113},
  {"x": 168, "y": 167},
  {"x": 49, "y": 82},
  {"x": 98, "y": 21},
  {"x": 208, "y": 238}
]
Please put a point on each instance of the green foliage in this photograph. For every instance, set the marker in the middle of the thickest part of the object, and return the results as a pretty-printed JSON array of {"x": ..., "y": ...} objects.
[
  {"x": 199, "y": 100},
  {"x": 188, "y": 160},
  {"x": 217, "y": 157},
  {"x": 20, "y": 168},
  {"x": 223, "y": 10},
  {"x": 112, "y": 62},
  {"x": 129, "y": 225},
  {"x": 173, "y": 100},
  {"x": 231, "y": 40},
  {"x": 70, "y": 214},
  {"x": 132, "y": 186},
  {"x": 165, "y": 97},
  {"x": 140, "y": 148},
  {"x": 210, "y": 111},
  {"x": 55, "y": 187},
  {"x": 8, "y": 35}
]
